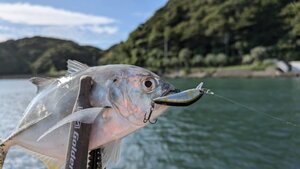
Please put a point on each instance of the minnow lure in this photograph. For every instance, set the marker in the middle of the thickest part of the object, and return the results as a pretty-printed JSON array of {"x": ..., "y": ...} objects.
[
  {"x": 184, "y": 98},
  {"x": 190, "y": 96}
]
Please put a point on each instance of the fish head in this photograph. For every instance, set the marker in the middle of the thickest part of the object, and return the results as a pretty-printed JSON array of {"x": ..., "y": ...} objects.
[{"x": 131, "y": 93}]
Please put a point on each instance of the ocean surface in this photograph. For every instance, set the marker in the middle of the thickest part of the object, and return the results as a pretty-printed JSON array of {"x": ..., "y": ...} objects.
[{"x": 211, "y": 134}]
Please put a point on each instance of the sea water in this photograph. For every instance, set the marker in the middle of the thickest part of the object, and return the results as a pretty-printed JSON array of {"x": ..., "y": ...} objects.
[{"x": 210, "y": 134}]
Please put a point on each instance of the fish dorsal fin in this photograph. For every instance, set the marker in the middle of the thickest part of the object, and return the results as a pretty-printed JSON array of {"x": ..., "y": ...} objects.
[
  {"x": 111, "y": 152},
  {"x": 41, "y": 82},
  {"x": 75, "y": 66},
  {"x": 51, "y": 163}
]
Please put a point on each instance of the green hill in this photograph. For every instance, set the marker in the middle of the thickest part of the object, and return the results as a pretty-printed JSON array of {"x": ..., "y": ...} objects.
[
  {"x": 40, "y": 55},
  {"x": 183, "y": 33},
  {"x": 194, "y": 33}
]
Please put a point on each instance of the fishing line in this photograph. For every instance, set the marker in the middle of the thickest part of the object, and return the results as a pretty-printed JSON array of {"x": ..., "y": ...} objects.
[{"x": 209, "y": 92}]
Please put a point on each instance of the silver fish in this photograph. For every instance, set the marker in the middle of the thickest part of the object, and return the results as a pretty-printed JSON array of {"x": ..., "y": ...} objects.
[{"x": 122, "y": 95}]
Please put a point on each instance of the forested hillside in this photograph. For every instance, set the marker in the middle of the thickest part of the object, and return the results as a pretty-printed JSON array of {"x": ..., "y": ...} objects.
[
  {"x": 42, "y": 55},
  {"x": 190, "y": 33},
  {"x": 182, "y": 34}
]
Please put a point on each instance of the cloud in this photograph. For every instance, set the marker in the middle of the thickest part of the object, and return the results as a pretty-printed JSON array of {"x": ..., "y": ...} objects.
[
  {"x": 25, "y": 13},
  {"x": 3, "y": 38},
  {"x": 19, "y": 20},
  {"x": 85, "y": 35},
  {"x": 4, "y": 28},
  {"x": 101, "y": 29}
]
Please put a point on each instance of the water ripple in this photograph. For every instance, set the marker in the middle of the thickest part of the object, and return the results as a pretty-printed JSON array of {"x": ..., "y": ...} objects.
[{"x": 212, "y": 134}]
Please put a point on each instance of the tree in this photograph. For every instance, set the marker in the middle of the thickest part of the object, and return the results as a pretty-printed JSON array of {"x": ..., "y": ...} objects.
[
  {"x": 184, "y": 57},
  {"x": 221, "y": 59},
  {"x": 197, "y": 60},
  {"x": 258, "y": 53},
  {"x": 231, "y": 27}
]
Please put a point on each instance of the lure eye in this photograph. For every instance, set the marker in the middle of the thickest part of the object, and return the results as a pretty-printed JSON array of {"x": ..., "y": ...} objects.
[{"x": 149, "y": 84}]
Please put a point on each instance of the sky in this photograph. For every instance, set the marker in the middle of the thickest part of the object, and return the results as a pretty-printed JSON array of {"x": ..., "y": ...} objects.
[{"x": 99, "y": 23}]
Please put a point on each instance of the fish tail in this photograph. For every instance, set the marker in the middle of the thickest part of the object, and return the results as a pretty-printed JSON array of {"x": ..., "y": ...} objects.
[{"x": 3, "y": 151}]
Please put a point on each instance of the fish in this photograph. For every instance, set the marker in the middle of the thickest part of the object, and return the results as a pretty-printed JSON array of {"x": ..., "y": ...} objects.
[{"x": 121, "y": 97}]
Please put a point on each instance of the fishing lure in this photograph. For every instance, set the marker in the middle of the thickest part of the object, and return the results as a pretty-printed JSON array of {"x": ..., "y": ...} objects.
[
  {"x": 190, "y": 96},
  {"x": 184, "y": 98}
]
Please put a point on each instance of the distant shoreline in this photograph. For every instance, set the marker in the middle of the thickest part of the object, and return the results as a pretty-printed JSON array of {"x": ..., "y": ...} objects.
[
  {"x": 233, "y": 74},
  {"x": 197, "y": 74},
  {"x": 24, "y": 76},
  {"x": 15, "y": 76}
]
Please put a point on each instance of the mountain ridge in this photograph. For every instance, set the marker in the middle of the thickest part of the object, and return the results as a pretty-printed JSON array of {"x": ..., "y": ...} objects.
[{"x": 43, "y": 55}]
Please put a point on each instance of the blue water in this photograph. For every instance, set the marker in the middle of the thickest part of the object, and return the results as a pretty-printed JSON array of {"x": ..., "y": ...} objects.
[{"x": 211, "y": 134}]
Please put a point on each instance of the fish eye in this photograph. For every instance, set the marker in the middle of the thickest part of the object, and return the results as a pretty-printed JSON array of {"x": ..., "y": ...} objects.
[{"x": 149, "y": 84}]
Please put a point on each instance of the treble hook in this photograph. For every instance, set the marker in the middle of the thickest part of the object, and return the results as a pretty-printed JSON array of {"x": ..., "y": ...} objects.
[{"x": 147, "y": 119}]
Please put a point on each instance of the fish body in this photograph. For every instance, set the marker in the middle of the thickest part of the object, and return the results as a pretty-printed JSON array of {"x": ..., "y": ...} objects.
[{"x": 121, "y": 97}]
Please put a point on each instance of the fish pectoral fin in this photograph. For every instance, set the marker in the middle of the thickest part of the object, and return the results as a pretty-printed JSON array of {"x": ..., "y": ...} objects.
[
  {"x": 50, "y": 162},
  {"x": 111, "y": 152},
  {"x": 87, "y": 116}
]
